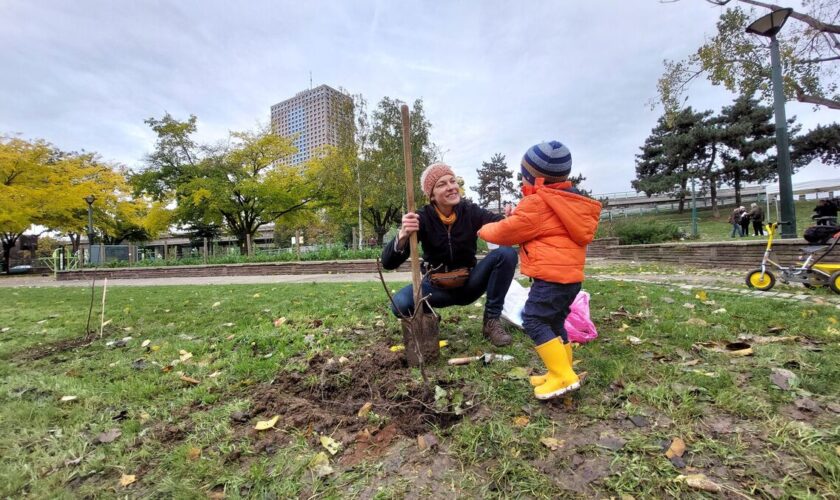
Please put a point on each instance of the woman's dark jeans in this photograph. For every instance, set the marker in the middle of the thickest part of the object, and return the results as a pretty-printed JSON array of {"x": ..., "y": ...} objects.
[{"x": 492, "y": 274}]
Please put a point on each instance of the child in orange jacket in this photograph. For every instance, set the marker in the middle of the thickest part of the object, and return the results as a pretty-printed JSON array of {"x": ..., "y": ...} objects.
[{"x": 553, "y": 224}]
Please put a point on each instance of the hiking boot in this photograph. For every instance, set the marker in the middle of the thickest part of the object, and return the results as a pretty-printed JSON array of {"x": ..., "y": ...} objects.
[{"x": 495, "y": 333}]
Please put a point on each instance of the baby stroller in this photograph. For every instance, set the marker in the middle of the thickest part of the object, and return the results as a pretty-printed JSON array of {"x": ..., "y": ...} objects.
[{"x": 812, "y": 273}]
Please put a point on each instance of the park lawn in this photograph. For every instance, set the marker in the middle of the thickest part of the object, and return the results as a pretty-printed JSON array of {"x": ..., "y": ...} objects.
[{"x": 186, "y": 429}]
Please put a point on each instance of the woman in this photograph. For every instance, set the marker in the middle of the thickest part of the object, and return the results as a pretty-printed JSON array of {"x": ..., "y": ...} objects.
[{"x": 447, "y": 229}]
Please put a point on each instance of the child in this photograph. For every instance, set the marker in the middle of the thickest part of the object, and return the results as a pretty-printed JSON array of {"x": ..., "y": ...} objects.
[{"x": 552, "y": 225}]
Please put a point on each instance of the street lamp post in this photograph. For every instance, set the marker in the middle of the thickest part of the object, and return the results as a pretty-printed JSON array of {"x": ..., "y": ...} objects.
[
  {"x": 769, "y": 26},
  {"x": 89, "y": 199}
]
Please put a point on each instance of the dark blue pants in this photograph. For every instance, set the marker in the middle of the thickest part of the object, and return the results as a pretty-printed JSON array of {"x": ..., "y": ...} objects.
[
  {"x": 544, "y": 315},
  {"x": 492, "y": 274}
]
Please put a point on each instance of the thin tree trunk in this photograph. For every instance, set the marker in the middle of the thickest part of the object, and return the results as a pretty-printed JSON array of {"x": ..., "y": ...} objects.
[{"x": 713, "y": 193}]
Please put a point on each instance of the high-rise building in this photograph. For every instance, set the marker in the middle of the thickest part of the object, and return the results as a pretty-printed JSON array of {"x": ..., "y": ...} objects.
[{"x": 310, "y": 119}]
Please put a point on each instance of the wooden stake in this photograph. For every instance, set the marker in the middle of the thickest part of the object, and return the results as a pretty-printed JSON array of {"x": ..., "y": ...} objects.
[
  {"x": 102, "y": 315},
  {"x": 410, "y": 206}
]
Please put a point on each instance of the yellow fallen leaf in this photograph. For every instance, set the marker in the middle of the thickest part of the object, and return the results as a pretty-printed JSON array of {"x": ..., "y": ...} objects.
[
  {"x": 700, "y": 482},
  {"x": 127, "y": 479},
  {"x": 189, "y": 380},
  {"x": 184, "y": 355},
  {"x": 266, "y": 424},
  {"x": 443, "y": 343},
  {"x": 676, "y": 449},
  {"x": 256, "y": 295},
  {"x": 155, "y": 348},
  {"x": 320, "y": 465},
  {"x": 624, "y": 326},
  {"x": 144, "y": 417},
  {"x": 194, "y": 453},
  {"x": 330, "y": 444},
  {"x": 552, "y": 443},
  {"x": 216, "y": 304},
  {"x": 521, "y": 421},
  {"x": 279, "y": 322},
  {"x": 701, "y": 295},
  {"x": 365, "y": 409},
  {"x": 397, "y": 348},
  {"x": 146, "y": 343},
  {"x": 833, "y": 319}
]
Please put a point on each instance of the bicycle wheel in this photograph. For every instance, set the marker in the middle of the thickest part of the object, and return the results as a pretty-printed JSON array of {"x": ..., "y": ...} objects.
[{"x": 756, "y": 281}]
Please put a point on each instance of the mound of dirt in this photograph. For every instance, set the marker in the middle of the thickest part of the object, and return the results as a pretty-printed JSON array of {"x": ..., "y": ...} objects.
[{"x": 327, "y": 398}]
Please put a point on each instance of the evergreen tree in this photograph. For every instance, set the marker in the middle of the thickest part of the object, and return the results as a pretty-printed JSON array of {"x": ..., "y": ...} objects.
[
  {"x": 494, "y": 182},
  {"x": 822, "y": 143},
  {"x": 747, "y": 133}
]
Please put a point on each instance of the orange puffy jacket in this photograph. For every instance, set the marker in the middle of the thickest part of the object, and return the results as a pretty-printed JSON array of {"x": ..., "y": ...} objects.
[{"x": 552, "y": 228}]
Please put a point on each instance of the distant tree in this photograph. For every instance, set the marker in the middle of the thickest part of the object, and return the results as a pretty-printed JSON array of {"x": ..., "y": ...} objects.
[
  {"x": 748, "y": 133},
  {"x": 822, "y": 143},
  {"x": 810, "y": 52},
  {"x": 577, "y": 181},
  {"x": 495, "y": 181},
  {"x": 675, "y": 152}
]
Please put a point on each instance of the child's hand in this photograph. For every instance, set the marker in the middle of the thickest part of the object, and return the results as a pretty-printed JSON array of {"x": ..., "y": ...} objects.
[{"x": 509, "y": 209}]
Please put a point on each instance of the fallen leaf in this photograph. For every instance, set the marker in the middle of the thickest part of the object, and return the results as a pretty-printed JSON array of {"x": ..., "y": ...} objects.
[
  {"x": 194, "y": 453},
  {"x": 146, "y": 343},
  {"x": 668, "y": 300},
  {"x": 68, "y": 398},
  {"x": 634, "y": 340},
  {"x": 624, "y": 326},
  {"x": 639, "y": 420},
  {"x": 227, "y": 325},
  {"x": 155, "y": 348},
  {"x": 184, "y": 355},
  {"x": 759, "y": 339},
  {"x": 696, "y": 322},
  {"x": 443, "y": 343},
  {"x": 397, "y": 348},
  {"x": 690, "y": 362},
  {"x": 279, "y": 322},
  {"x": 144, "y": 417},
  {"x": 688, "y": 305},
  {"x": 330, "y": 444},
  {"x": 700, "y": 482},
  {"x": 364, "y": 410},
  {"x": 784, "y": 379},
  {"x": 719, "y": 311},
  {"x": 701, "y": 295},
  {"x": 216, "y": 304},
  {"x": 166, "y": 369},
  {"x": 521, "y": 421},
  {"x": 214, "y": 375},
  {"x": 75, "y": 461},
  {"x": 676, "y": 449},
  {"x": 551, "y": 443},
  {"x": 266, "y": 424},
  {"x": 189, "y": 380},
  {"x": 807, "y": 404},
  {"x": 427, "y": 441},
  {"x": 611, "y": 442},
  {"x": 256, "y": 295},
  {"x": 320, "y": 465},
  {"x": 518, "y": 373},
  {"x": 108, "y": 436},
  {"x": 127, "y": 479}
]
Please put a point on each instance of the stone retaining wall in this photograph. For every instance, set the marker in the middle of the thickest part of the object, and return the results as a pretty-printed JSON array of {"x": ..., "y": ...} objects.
[{"x": 729, "y": 254}]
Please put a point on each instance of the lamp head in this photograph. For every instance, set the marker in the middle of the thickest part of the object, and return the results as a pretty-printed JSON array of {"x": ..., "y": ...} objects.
[
  {"x": 770, "y": 24},
  {"x": 90, "y": 199}
]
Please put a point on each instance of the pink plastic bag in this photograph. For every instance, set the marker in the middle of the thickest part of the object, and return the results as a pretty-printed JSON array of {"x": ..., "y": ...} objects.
[{"x": 579, "y": 325}]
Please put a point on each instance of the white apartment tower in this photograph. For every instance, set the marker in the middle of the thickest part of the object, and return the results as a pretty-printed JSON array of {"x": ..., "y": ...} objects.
[{"x": 309, "y": 118}]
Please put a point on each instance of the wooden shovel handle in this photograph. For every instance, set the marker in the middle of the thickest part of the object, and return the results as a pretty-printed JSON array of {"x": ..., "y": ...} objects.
[{"x": 410, "y": 206}]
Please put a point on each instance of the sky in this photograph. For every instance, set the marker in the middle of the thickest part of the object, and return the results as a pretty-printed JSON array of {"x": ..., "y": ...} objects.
[{"x": 495, "y": 76}]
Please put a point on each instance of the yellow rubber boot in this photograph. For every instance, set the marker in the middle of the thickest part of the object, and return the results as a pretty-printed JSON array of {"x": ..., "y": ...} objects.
[
  {"x": 561, "y": 378},
  {"x": 540, "y": 379}
]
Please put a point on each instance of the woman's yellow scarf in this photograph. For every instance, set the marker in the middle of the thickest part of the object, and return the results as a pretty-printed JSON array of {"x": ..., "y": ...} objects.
[{"x": 447, "y": 220}]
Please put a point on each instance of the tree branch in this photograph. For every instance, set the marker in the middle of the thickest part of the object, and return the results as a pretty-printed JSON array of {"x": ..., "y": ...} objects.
[{"x": 805, "y": 18}]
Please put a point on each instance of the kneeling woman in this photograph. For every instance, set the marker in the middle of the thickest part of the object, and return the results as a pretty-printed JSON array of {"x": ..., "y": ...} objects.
[{"x": 447, "y": 228}]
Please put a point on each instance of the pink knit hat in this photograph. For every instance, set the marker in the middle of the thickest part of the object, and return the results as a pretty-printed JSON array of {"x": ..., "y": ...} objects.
[{"x": 432, "y": 174}]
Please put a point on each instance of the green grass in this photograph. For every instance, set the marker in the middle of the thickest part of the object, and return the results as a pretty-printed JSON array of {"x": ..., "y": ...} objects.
[
  {"x": 327, "y": 252},
  {"x": 709, "y": 227},
  {"x": 483, "y": 455}
]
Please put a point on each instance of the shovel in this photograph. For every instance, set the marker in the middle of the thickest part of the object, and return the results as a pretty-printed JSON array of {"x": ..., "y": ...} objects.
[
  {"x": 486, "y": 358},
  {"x": 421, "y": 330}
]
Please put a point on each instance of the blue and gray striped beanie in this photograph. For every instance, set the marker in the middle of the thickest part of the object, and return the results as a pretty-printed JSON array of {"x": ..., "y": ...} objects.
[{"x": 550, "y": 160}]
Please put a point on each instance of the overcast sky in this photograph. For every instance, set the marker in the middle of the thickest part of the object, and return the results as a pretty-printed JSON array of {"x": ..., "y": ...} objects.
[{"x": 495, "y": 76}]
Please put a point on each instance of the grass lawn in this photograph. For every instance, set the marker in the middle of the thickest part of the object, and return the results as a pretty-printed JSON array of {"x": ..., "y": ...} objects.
[
  {"x": 709, "y": 227},
  {"x": 176, "y": 417}
]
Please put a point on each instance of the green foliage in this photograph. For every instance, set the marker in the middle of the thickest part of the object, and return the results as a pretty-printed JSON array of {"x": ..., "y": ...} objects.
[
  {"x": 639, "y": 232},
  {"x": 495, "y": 181},
  {"x": 741, "y": 62},
  {"x": 822, "y": 143},
  {"x": 325, "y": 252}
]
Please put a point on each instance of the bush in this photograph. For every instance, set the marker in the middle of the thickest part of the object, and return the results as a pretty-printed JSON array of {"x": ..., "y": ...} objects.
[{"x": 640, "y": 231}]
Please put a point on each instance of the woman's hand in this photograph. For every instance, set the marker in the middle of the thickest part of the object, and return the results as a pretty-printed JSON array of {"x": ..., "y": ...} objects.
[{"x": 410, "y": 224}]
